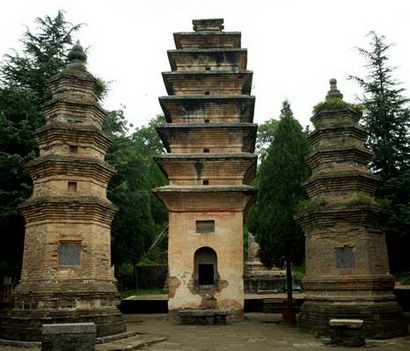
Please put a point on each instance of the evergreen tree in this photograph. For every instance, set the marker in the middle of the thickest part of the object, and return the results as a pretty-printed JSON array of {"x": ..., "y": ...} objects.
[
  {"x": 264, "y": 137},
  {"x": 387, "y": 118},
  {"x": 141, "y": 216},
  {"x": 280, "y": 177},
  {"x": 386, "y": 112}
]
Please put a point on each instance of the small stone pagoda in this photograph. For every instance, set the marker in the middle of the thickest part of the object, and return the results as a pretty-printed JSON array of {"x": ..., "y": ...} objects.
[
  {"x": 347, "y": 271},
  {"x": 210, "y": 141},
  {"x": 258, "y": 278},
  {"x": 66, "y": 274}
]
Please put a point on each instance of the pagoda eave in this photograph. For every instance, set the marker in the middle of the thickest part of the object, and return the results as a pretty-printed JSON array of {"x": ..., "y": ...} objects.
[
  {"x": 195, "y": 167},
  {"x": 86, "y": 134},
  {"x": 68, "y": 209},
  {"x": 343, "y": 154},
  {"x": 357, "y": 214},
  {"x": 207, "y": 39},
  {"x": 54, "y": 165},
  {"x": 216, "y": 108},
  {"x": 203, "y": 82},
  {"x": 206, "y": 198},
  {"x": 208, "y": 59},
  {"x": 341, "y": 182},
  {"x": 214, "y": 133}
]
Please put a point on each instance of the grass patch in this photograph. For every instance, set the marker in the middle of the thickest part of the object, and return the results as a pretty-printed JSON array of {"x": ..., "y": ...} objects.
[
  {"x": 299, "y": 272},
  {"x": 128, "y": 293},
  {"x": 403, "y": 278}
]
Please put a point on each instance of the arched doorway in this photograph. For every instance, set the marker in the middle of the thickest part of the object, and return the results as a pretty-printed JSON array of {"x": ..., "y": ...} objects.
[{"x": 205, "y": 268}]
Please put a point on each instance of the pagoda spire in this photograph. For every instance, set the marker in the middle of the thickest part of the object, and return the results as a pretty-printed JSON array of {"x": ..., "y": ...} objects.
[{"x": 77, "y": 58}]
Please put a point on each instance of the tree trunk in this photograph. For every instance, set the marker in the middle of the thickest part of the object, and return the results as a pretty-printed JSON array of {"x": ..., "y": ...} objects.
[
  {"x": 289, "y": 284},
  {"x": 134, "y": 265}
]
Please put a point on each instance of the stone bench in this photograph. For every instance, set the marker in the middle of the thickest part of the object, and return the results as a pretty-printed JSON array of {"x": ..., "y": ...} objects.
[
  {"x": 347, "y": 332},
  {"x": 202, "y": 317},
  {"x": 68, "y": 337}
]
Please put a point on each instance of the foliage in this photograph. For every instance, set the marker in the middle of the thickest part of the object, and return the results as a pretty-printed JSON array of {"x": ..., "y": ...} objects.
[
  {"x": 332, "y": 103},
  {"x": 141, "y": 216},
  {"x": 387, "y": 115},
  {"x": 23, "y": 90},
  {"x": 139, "y": 292},
  {"x": 264, "y": 138},
  {"x": 387, "y": 118},
  {"x": 280, "y": 177}
]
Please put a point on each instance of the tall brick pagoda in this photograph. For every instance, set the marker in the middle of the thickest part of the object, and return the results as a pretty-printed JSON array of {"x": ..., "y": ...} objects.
[
  {"x": 210, "y": 138},
  {"x": 347, "y": 271},
  {"x": 66, "y": 274}
]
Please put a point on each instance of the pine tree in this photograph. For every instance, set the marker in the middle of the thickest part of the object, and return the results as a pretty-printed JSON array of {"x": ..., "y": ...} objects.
[
  {"x": 387, "y": 118},
  {"x": 280, "y": 177},
  {"x": 386, "y": 112}
]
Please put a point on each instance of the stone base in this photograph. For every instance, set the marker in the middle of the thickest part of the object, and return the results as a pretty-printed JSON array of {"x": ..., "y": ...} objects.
[
  {"x": 382, "y": 320},
  {"x": 231, "y": 316},
  {"x": 68, "y": 337},
  {"x": 26, "y": 325},
  {"x": 255, "y": 283},
  {"x": 202, "y": 317}
]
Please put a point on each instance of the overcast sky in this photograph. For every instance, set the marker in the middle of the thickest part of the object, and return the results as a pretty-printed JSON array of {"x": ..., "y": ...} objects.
[{"x": 294, "y": 46}]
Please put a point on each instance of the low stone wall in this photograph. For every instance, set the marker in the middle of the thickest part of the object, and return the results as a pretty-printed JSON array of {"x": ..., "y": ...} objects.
[{"x": 255, "y": 284}]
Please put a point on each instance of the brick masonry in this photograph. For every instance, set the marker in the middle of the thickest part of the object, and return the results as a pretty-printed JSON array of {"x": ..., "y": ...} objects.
[{"x": 66, "y": 274}]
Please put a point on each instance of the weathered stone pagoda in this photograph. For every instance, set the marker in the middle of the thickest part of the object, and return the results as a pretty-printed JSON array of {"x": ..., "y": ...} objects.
[
  {"x": 66, "y": 274},
  {"x": 210, "y": 140},
  {"x": 257, "y": 277},
  {"x": 347, "y": 271}
]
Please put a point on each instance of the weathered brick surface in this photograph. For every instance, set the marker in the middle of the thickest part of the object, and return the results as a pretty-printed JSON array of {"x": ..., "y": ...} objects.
[
  {"x": 68, "y": 207},
  {"x": 347, "y": 271},
  {"x": 210, "y": 139}
]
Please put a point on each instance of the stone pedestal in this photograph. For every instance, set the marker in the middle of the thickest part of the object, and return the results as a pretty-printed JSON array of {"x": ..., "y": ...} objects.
[
  {"x": 68, "y": 337},
  {"x": 210, "y": 138},
  {"x": 347, "y": 272}
]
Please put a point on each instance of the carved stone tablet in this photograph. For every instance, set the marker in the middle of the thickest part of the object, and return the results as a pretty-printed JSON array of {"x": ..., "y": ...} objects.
[{"x": 344, "y": 257}]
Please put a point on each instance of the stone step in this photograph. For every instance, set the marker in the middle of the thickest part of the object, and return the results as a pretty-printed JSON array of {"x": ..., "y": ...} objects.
[{"x": 131, "y": 343}]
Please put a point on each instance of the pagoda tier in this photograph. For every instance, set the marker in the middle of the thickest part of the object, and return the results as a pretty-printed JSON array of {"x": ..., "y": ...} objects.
[
  {"x": 208, "y": 82},
  {"x": 347, "y": 272},
  {"x": 66, "y": 273},
  {"x": 208, "y": 59},
  {"x": 58, "y": 138},
  {"x": 209, "y": 169},
  {"x": 207, "y": 39},
  {"x": 210, "y": 139},
  {"x": 206, "y": 199},
  {"x": 208, "y": 108}
]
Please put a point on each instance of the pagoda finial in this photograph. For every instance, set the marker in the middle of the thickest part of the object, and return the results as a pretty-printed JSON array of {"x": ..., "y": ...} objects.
[
  {"x": 334, "y": 93},
  {"x": 77, "y": 57}
]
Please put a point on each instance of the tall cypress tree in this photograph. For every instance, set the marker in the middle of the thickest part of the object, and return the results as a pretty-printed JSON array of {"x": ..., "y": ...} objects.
[
  {"x": 386, "y": 112},
  {"x": 280, "y": 177},
  {"x": 387, "y": 118}
]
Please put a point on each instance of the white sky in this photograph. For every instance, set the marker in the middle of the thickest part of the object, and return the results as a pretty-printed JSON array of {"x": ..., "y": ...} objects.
[{"x": 294, "y": 46}]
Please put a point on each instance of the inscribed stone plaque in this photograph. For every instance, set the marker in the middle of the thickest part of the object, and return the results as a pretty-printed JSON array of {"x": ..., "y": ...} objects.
[
  {"x": 69, "y": 253},
  {"x": 205, "y": 226},
  {"x": 344, "y": 257}
]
